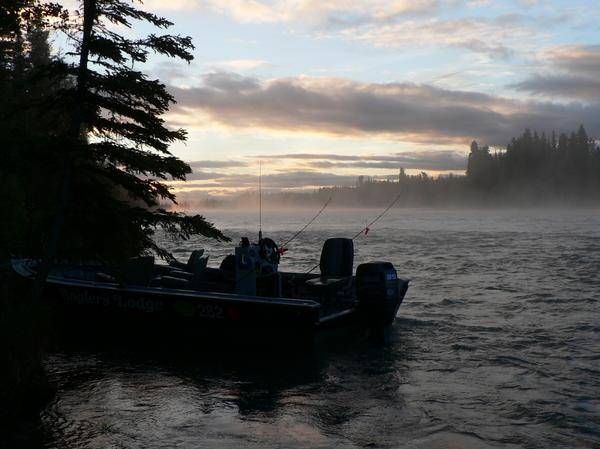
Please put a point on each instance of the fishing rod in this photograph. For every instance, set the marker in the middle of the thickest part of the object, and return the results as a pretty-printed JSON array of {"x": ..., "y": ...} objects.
[
  {"x": 259, "y": 200},
  {"x": 367, "y": 227},
  {"x": 283, "y": 245}
]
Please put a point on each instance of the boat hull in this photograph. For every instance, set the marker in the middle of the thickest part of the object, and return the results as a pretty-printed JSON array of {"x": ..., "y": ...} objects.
[
  {"x": 95, "y": 305},
  {"x": 100, "y": 308}
]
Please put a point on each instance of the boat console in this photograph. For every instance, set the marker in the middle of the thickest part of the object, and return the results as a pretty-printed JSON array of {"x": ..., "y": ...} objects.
[{"x": 256, "y": 267}]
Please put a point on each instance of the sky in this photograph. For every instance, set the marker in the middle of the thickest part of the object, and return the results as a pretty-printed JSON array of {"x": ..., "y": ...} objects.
[{"x": 322, "y": 91}]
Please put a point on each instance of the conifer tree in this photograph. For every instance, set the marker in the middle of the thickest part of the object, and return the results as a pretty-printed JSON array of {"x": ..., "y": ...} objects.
[{"x": 115, "y": 155}]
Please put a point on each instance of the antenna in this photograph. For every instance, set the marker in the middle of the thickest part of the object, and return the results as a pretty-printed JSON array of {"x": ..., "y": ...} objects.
[{"x": 259, "y": 201}]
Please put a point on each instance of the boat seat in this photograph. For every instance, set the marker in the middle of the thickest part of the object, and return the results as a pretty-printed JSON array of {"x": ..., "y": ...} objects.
[
  {"x": 192, "y": 261},
  {"x": 197, "y": 266},
  {"x": 189, "y": 279}
]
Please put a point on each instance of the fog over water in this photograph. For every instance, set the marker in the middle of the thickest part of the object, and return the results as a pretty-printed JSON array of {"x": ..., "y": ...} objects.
[{"x": 496, "y": 345}]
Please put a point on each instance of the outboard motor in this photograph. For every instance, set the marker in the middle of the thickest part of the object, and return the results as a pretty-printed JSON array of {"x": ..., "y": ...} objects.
[{"x": 379, "y": 292}]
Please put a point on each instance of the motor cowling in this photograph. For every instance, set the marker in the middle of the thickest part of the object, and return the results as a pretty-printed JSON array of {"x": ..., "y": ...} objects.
[{"x": 379, "y": 292}]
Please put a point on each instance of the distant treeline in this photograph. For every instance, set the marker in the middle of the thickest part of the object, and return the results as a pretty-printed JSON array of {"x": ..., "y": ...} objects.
[
  {"x": 534, "y": 169},
  {"x": 539, "y": 167}
]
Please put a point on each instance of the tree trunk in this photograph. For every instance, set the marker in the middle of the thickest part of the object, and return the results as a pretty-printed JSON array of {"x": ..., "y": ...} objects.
[{"x": 76, "y": 137}]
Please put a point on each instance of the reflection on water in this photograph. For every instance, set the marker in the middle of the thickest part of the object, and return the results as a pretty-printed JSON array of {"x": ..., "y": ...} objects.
[
  {"x": 131, "y": 399},
  {"x": 496, "y": 345}
]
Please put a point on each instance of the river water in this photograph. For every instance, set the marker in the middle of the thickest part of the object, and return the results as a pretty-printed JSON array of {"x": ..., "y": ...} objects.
[{"x": 497, "y": 344}]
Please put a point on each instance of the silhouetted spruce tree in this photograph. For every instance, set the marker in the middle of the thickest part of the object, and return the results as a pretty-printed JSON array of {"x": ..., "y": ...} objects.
[
  {"x": 479, "y": 167},
  {"x": 115, "y": 157}
]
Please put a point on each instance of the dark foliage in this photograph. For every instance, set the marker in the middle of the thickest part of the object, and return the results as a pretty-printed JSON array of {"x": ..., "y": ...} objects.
[
  {"x": 83, "y": 155},
  {"x": 85, "y": 146},
  {"x": 29, "y": 123},
  {"x": 539, "y": 167},
  {"x": 23, "y": 50}
]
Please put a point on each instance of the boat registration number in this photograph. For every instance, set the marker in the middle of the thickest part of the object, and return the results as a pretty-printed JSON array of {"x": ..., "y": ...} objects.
[{"x": 211, "y": 311}]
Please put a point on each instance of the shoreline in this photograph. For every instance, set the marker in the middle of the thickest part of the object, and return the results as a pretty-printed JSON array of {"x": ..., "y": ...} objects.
[{"x": 24, "y": 386}]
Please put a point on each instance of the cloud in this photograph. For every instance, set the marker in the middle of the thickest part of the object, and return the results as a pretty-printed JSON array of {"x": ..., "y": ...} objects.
[
  {"x": 396, "y": 23},
  {"x": 567, "y": 86},
  {"x": 230, "y": 82},
  {"x": 583, "y": 60},
  {"x": 298, "y": 179},
  {"x": 401, "y": 111},
  {"x": 236, "y": 64},
  {"x": 389, "y": 23},
  {"x": 496, "y": 37},
  {"x": 216, "y": 164},
  {"x": 205, "y": 176},
  {"x": 307, "y": 11},
  {"x": 477, "y": 3},
  {"x": 578, "y": 70},
  {"x": 303, "y": 179},
  {"x": 421, "y": 160}
]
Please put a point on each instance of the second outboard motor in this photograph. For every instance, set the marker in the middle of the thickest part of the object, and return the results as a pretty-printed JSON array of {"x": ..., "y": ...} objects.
[{"x": 379, "y": 292}]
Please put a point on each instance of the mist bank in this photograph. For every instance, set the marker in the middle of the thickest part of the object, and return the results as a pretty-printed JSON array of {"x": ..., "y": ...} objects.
[
  {"x": 533, "y": 171},
  {"x": 381, "y": 195}
]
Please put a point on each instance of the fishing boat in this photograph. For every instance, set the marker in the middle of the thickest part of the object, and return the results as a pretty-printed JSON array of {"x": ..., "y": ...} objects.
[{"x": 246, "y": 294}]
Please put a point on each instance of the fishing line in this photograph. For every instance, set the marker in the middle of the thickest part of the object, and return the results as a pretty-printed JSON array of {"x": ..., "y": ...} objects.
[
  {"x": 365, "y": 230},
  {"x": 259, "y": 200},
  {"x": 308, "y": 224}
]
